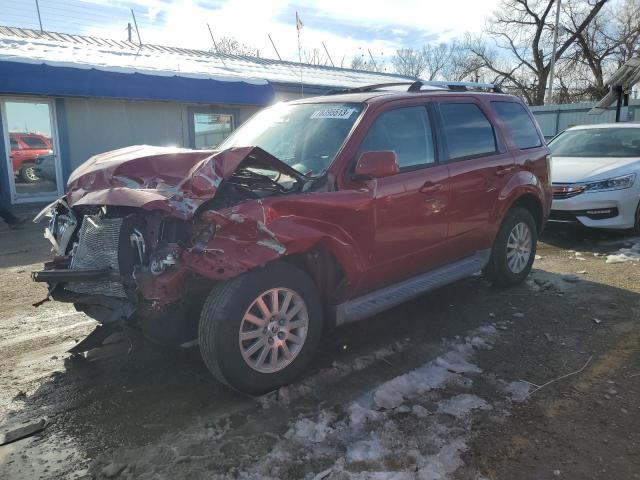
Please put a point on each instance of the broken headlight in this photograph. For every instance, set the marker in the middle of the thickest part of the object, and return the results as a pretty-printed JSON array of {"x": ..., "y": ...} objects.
[{"x": 62, "y": 224}]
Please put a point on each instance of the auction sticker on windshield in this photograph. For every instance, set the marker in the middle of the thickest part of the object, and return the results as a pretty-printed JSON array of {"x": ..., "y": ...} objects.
[{"x": 335, "y": 112}]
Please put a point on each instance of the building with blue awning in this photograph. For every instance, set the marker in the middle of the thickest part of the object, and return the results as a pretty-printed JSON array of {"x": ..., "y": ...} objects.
[{"x": 64, "y": 98}]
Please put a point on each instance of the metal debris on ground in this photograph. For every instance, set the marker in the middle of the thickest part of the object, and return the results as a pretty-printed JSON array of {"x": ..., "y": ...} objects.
[{"x": 23, "y": 432}]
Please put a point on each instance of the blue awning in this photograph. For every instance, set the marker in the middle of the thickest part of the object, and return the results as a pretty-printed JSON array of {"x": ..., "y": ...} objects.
[{"x": 44, "y": 79}]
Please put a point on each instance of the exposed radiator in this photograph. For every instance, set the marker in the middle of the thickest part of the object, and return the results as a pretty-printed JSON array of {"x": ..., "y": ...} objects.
[{"x": 98, "y": 243}]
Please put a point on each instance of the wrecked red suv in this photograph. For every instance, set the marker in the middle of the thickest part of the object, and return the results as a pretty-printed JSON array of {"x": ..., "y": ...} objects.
[{"x": 314, "y": 213}]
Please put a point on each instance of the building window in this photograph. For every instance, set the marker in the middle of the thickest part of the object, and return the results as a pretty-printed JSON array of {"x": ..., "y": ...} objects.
[{"x": 211, "y": 129}]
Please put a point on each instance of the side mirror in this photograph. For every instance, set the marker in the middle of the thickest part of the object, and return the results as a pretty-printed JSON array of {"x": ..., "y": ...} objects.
[{"x": 376, "y": 164}]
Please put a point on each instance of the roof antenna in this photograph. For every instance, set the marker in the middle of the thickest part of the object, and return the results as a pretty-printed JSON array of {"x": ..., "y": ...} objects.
[
  {"x": 215, "y": 45},
  {"x": 274, "y": 46},
  {"x": 299, "y": 26},
  {"x": 136, "y": 25},
  {"x": 374, "y": 62},
  {"x": 39, "y": 19},
  {"x": 330, "y": 59}
]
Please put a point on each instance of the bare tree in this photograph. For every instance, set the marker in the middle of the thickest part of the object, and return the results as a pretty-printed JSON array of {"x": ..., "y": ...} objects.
[
  {"x": 315, "y": 57},
  {"x": 360, "y": 62},
  {"x": 462, "y": 64},
  {"x": 603, "y": 46},
  {"x": 444, "y": 61},
  {"x": 436, "y": 59},
  {"x": 409, "y": 62},
  {"x": 524, "y": 29},
  {"x": 231, "y": 46}
]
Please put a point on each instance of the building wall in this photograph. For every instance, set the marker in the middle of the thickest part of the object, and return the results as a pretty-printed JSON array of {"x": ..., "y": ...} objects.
[
  {"x": 554, "y": 119},
  {"x": 95, "y": 126}
]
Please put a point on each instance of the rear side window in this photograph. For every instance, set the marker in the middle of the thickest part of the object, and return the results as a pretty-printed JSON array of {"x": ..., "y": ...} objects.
[
  {"x": 34, "y": 142},
  {"x": 406, "y": 131},
  {"x": 14, "y": 144},
  {"x": 468, "y": 131},
  {"x": 518, "y": 122}
]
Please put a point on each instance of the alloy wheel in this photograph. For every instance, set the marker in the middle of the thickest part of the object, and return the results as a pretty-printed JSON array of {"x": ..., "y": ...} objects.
[
  {"x": 519, "y": 247},
  {"x": 273, "y": 330}
]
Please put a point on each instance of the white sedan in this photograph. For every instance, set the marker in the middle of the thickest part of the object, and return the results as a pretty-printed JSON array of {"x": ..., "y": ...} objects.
[{"x": 596, "y": 176}]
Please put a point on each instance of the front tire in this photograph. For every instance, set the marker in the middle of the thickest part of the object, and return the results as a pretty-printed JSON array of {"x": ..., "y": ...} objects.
[
  {"x": 259, "y": 331},
  {"x": 514, "y": 249}
]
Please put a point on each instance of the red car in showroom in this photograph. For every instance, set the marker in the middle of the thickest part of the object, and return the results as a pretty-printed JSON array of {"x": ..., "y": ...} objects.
[
  {"x": 25, "y": 149},
  {"x": 314, "y": 213}
]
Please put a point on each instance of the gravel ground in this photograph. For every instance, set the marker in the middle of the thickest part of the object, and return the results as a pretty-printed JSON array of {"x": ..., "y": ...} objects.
[{"x": 470, "y": 382}]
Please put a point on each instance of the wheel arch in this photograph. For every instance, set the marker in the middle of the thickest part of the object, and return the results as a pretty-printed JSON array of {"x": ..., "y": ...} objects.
[
  {"x": 324, "y": 268},
  {"x": 532, "y": 203}
]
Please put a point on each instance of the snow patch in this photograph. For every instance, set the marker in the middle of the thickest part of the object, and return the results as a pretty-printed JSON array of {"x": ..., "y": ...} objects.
[
  {"x": 441, "y": 465},
  {"x": 624, "y": 255},
  {"x": 420, "y": 412},
  {"x": 307, "y": 431},
  {"x": 392, "y": 394},
  {"x": 518, "y": 391},
  {"x": 359, "y": 415},
  {"x": 366, "y": 451},
  {"x": 461, "y": 405},
  {"x": 456, "y": 361}
]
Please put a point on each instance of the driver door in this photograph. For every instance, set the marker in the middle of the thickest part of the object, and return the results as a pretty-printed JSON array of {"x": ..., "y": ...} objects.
[{"x": 410, "y": 207}]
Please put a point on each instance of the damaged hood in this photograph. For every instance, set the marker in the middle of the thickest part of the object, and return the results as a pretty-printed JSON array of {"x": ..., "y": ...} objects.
[{"x": 176, "y": 180}]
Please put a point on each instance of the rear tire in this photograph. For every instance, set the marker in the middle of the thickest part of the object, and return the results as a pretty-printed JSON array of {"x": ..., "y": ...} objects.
[
  {"x": 249, "y": 343},
  {"x": 28, "y": 174},
  {"x": 514, "y": 249},
  {"x": 636, "y": 228}
]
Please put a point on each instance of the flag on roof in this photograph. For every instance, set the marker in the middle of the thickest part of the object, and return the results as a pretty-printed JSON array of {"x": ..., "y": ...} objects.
[{"x": 299, "y": 23}]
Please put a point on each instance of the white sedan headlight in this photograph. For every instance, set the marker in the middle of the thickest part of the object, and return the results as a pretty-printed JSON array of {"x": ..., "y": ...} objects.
[{"x": 618, "y": 183}]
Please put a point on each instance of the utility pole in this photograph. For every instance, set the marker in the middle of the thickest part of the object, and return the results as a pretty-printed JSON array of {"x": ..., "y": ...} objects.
[
  {"x": 552, "y": 67},
  {"x": 39, "y": 18},
  {"x": 129, "y": 28}
]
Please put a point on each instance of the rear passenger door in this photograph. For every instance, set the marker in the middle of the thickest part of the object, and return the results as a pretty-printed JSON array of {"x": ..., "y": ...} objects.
[
  {"x": 479, "y": 167},
  {"x": 410, "y": 206}
]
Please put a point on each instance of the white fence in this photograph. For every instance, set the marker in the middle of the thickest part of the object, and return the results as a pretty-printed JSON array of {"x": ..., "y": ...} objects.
[{"x": 553, "y": 119}]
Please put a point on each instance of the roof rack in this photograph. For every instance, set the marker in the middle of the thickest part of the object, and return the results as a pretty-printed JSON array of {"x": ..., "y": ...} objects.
[{"x": 418, "y": 84}]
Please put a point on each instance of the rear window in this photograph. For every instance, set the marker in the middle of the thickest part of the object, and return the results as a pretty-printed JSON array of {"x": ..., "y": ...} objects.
[
  {"x": 35, "y": 142},
  {"x": 467, "y": 130},
  {"x": 518, "y": 122}
]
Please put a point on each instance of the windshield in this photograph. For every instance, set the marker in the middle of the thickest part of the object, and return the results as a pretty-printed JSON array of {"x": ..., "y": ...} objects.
[
  {"x": 307, "y": 137},
  {"x": 597, "y": 142}
]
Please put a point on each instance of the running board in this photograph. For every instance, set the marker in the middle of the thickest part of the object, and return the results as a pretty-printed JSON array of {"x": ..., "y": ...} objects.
[{"x": 388, "y": 297}]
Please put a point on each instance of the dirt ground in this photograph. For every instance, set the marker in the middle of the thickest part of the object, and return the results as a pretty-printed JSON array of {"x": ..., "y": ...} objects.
[{"x": 540, "y": 381}]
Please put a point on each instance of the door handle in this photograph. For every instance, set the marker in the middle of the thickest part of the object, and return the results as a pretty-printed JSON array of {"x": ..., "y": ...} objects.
[
  {"x": 502, "y": 170},
  {"x": 430, "y": 187}
]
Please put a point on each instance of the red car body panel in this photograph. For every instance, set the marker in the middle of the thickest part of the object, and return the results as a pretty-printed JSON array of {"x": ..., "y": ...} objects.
[
  {"x": 379, "y": 231},
  {"x": 174, "y": 180},
  {"x": 25, "y": 153}
]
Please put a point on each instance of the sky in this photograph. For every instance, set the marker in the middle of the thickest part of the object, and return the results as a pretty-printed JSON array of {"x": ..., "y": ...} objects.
[{"x": 347, "y": 27}]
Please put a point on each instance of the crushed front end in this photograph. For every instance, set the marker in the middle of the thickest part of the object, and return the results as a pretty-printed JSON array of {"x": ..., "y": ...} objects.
[
  {"x": 145, "y": 251},
  {"x": 119, "y": 265}
]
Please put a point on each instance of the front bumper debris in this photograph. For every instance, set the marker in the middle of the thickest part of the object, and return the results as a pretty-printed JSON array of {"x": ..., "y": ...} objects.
[{"x": 53, "y": 276}]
